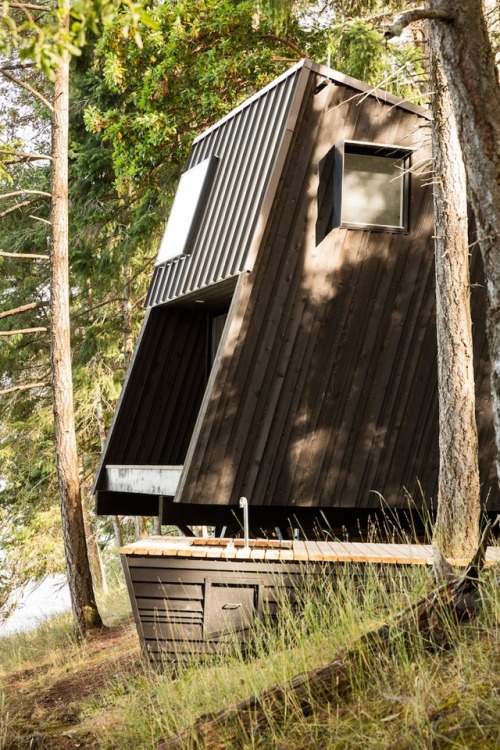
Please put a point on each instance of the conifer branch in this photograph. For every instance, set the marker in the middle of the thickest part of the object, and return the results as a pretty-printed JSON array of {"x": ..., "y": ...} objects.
[
  {"x": 27, "y": 87},
  {"x": 285, "y": 43},
  {"x": 24, "y": 256},
  {"x": 10, "y": 210},
  {"x": 39, "y": 218},
  {"x": 23, "y": 308},
  {"x": 42, "y": 193},
  {"x": 19, "y": 156},
  {"x": 20, "y": 66},
  {"x": 402, "y": 20},
  {"x": 22, "y": 388},
  {"x": 32, "y": 6},
  {"x": 19, "y": 331}
]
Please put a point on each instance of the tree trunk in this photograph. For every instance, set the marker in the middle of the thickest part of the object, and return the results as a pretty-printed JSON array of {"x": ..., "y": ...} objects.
[
  {"x": 79, "y": 578},
  {"x": 457, "y": 524},
  {"x": 141, "y": 530},
  {"x": 141, "y": 527},
  {"x": 95, "y": 558},
  {"x": 465, "y": 54}
]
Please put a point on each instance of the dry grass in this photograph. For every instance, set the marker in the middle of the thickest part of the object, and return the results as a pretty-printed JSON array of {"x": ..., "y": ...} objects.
[{"x": 409, "y": 699}]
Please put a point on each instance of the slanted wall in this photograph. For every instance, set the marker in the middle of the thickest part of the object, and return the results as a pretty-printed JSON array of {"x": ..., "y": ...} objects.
[
  {"x": 325, "y": 393},
  {"x": 160, "y": 400}
]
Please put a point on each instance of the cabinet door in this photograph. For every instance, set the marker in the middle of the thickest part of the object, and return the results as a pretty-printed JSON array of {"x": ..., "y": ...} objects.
[{"x": 229, "y": 608}]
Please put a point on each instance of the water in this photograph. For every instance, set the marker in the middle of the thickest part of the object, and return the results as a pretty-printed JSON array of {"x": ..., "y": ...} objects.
[{"x": 39, "y": 602}]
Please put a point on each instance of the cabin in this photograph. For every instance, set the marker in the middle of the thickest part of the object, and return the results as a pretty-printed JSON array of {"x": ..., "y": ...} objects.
[{"x": 288, "y": 351}]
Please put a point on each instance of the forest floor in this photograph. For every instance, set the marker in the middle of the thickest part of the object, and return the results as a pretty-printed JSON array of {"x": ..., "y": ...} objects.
[
  {"x": 44, "y": 703},
  {"x": 58, "y": 694}
]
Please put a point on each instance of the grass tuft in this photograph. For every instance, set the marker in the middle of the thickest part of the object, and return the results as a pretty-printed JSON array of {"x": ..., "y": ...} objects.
[{"x": 412, "y": 698}]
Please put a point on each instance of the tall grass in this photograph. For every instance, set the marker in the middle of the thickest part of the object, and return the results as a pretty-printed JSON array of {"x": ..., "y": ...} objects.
[
  {"x": 423, "y": 698},
  {"x": 53, "y": 641},
  {"x": 409, "y": 697},
  {"x": 38, "y": 658}
]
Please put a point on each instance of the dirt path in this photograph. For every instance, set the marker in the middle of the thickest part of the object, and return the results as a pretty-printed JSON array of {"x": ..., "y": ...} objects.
[{"x": 44, "y": 704}]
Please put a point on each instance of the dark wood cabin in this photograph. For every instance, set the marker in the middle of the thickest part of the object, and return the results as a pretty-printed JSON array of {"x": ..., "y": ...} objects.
[{"x": 288, "y": 351}]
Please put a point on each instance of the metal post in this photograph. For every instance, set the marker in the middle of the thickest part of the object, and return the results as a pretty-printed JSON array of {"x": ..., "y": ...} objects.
[
  {"x": 159, "y": 518},
  {"x": 246, "y": 526}
]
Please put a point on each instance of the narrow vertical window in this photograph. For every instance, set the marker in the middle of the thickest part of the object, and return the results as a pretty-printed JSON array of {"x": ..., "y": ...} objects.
[{"x": 218, "y": 322}]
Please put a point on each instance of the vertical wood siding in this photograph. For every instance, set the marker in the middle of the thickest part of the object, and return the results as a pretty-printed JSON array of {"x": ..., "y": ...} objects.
[
  {"x": 161, "y": 398},
  {"x": 325, "y": 393}
]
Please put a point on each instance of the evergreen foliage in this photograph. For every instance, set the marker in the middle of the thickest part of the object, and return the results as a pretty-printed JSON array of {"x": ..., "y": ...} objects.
[{"x": 141, "y": 91}]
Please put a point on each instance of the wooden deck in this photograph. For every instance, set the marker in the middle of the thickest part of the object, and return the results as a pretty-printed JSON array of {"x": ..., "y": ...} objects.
[{"x": 264, "y": 550}]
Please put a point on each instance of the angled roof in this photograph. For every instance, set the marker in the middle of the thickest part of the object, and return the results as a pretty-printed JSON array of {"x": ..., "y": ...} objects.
[{"x": 251, "y": 143}]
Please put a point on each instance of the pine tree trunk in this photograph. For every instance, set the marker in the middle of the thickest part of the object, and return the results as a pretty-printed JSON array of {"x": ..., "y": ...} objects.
[
  {"x": 468, "y": 62},
  {"x": 79, "y": 578},
  {"x": 95, "y": 558},
  {"x": 458, "y": 512},
  {"x": 141, "y": 528}
]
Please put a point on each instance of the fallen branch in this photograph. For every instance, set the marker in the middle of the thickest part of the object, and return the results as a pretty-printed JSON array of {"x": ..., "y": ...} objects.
[{"x": 430, "y": 617}]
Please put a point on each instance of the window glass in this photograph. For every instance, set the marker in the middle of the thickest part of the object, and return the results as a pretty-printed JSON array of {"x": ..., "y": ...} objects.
[
  {"x": 372, "y": 191},
  {"x": 186, "y": 210},
  {"x": 218, "y": 323}
]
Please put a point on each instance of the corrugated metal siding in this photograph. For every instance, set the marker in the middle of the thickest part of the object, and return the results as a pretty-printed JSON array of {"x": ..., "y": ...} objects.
[
  {"x": 248, "y": 144},
  {"x": 326, "y": 391}
]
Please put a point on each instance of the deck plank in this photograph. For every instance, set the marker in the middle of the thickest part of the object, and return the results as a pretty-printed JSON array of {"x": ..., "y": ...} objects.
[{"x": 298, "y": 551}]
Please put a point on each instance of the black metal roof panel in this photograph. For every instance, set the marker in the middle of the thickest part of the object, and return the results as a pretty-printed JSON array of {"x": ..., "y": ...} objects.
[{"x": 248, "y": 144}]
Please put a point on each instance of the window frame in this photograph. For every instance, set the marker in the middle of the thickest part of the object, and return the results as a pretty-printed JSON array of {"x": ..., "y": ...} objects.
[{"x": 366, "y": 148}]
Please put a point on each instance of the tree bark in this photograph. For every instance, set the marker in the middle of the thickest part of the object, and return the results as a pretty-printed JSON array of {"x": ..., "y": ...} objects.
[
  {"x": 128, "y": 343},
  {"x": 467, "y": 58},
  {"x": 468, "y": 62},
  {"x": 141, "y": 530},
  {"x": 95, "y": 558},
  {"x": 83, "y": 603},
  {"x": 457, "y": 524}
]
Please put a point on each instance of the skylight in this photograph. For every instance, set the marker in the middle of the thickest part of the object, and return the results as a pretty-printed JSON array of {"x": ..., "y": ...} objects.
[{"x": 187, "y": 210}]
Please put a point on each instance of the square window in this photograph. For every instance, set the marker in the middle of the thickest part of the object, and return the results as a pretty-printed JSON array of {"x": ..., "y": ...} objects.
[{"x": 371, "y": 187}]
